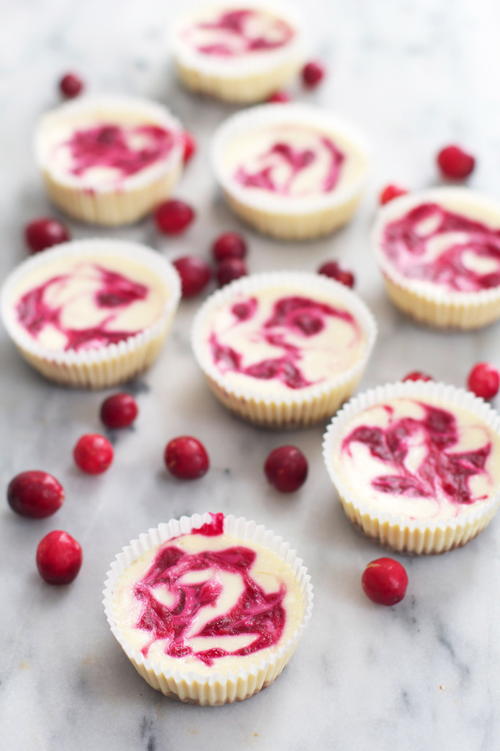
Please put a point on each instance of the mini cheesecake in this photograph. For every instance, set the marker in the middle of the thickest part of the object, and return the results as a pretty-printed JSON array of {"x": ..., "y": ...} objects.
[
  {"x": 439, "y": 252},
  {"x": 239, "y": 53},
  {"x": 291, "y": 171},
  {"x": 109, "y": 160}
]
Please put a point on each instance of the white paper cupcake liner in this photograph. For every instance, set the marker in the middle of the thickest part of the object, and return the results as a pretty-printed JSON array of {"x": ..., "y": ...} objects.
[
  {"x": 299, "y": 217},
  {"x": 105, "y": 366},
  {"x": 288, "y": 408},
  {"x": 431, "y": 303},
  {"x": 187, "y": 685},
  {"x": 399, "y": 531},
  {"x": 136, "y": 195}
]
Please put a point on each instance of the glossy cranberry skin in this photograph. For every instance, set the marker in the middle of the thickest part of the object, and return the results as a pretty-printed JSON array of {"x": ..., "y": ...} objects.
[
  {"x": 186, "y": 458},
  {"x": 385, "y": 581},
  {"x": 390, "y": 192},
  {"x": 230, "y": 270},
  {"x": 58, "y": 557},
  {"x": 189, "y": 146},
  {"x": 279, "y": 97},
  {"x": 93, "y": 453},
  {"x": 44, "y": 233},
  {"x": 195, "y": 274},
  {"x": 173, "y": 217},
  {"x": 119, "y": 410},
  {"x": 484, "y": 380},
  {"x": 286, "y": 468},
  {"x": 71, "y": 85},
  {"x": 417, "y": 375},
  {"x": 332, "y": 270},
  {"x": 229, "y": 245},
  {"x": 313, "y": 73},
  {"x": 35, "y": 494},
  {"x": 455, "y": 163}
]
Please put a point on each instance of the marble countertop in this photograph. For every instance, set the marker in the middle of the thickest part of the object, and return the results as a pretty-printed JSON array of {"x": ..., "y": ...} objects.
[{"x": 413, "y": 75}]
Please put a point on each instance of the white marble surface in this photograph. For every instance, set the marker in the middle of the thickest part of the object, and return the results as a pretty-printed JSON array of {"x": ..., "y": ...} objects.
[{"x": 413, "y": 74}]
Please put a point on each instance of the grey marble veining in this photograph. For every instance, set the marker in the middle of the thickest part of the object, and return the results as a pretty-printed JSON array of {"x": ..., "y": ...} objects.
[{"x": 413, "y": 74}]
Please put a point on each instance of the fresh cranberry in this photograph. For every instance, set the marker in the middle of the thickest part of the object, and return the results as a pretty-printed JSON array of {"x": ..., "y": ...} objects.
[
  {"x": 286, "y": 468},
  {"x": 313, "y": 73},
  {"x": 334, "y": 271},
  {"x": 93, "y": 453},
  {"x": 189, "y": 146},
  {"x": 484, "y": 380},
  {"x": 71, "y": 85},
  {"x": 390, "y": 192},
  {"x": 230, "y": 270},
  {"x": 44, "y": 232},
  {"x": 385, "y": 581},
  {"x": 229, "y": 245},
  {"x": 34, "y": 493},
  {"x": 119, "y": 411},
  {"x": 195, "y": 273},
  {"x": 173, "y": 217},
  {"x": 186, "y": 458},
  {"x": 455, "y": 163},
  {"x": 58, "y": 557},
  {"x": 279, "y": 97},
  {"x": 417, "y": 375}
]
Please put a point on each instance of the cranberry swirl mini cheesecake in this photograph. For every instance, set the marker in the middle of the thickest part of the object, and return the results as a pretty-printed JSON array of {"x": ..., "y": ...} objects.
[
  {"x": 109, "y": 160},
  {"x": 283, "y": 348},
  {"x": 292, "y": 171},
  {"x": 91, "y": 313},
  {"x": 239, "y": 53},
  {"x": 439, "y": 252},
  {"x": 416, "y": 465},
  {"x": 209, "y": 609}
]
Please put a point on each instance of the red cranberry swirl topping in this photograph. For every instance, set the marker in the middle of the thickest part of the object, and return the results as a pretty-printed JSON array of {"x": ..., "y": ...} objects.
[
  {"x": 440, "y": 472},
  {"x": 469, "y": 260},
  {"x": 256, "y": 613}
]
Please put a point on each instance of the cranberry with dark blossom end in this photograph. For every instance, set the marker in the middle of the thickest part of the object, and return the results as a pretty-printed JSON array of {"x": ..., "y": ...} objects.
[
  {"x": 44, "y": 233},
  {"x": 279, "y": 97},
  {"x": 195, "y": 274},
  {"x": 229, "y": 245},
  {"x": 286, "y": 468},
  {"x": 385, "y": 581},
  {"x": 313, "y": 73},
  {"x": 230, "y": 270},
  {"x": 58, "y": 557},
  {"x": 93, "y": 453},
  {"x": 189, "y": 146},
  {"x": 390, "y": 192},
  {"x": 35, "y": 494},
  {"x": 417, "y": 375},
  {"x": 173, "y": 216},
  {"x": 71, "y": 85},
  {"x": 119, "y": 410},
  {"x": 455, "y": 163},
  {"x": 332, "y": 270},
  {"x": 186, "y": 458},
  {"x": 484, "y": 380}
]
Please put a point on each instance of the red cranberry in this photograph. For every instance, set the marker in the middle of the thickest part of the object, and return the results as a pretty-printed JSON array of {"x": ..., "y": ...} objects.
[
  {"x": 58, "y": 557},
  {"x": 93, "y": 453},
  {"x": 71, "y": 85},
  {"x": 195, "y": 274},
  {"x": 484, "y": 380},
  {"x": 417, "y": 375},
  {"x": 44, "y": 232},
  {"x": 229, "y": 245},
  {"x": 34, "y": 493},
  {"x": 385, "y": 581},
  {"x": 173, "y": 217},
  {"x": 390, "y": 192},
  {"x": 334, "y": 271},
  {"x": 286, "y": 468},
  {"x": 186, "y": 458},
  {"x": 119, "y": 411},
  {"x": 313, "y": 73},
  {"x": 189, "y": 146},
  {"x": 279, "y": 97},
  {"x": 455, "y": 163},
  {"x": 230, "y": 270}
]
